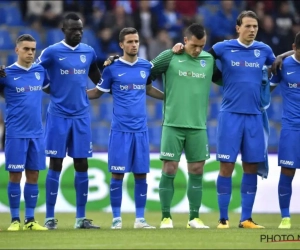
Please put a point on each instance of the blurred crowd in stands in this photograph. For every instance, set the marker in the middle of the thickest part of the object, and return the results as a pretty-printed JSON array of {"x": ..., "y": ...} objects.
[{"x": 160, "y": 25}]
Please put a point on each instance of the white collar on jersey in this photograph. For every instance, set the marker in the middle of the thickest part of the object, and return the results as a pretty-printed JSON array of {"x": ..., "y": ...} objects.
[
  {"x": 293, "y": 56},
  {"x": 129, "y": 63},
  {"x": 244, "y": 45},
  {"x": 67, "y": 45},
  {"x": 18, "y": 65}
]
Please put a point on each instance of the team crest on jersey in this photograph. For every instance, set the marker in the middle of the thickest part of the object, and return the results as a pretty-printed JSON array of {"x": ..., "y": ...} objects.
[
  {"x": 257, "y": 52},
  {"x": 83, "y": 58},
  {"x": 143, "y": 74},
  {"x": 37, "y": 75},
  {"x": 202, "y": 63}
]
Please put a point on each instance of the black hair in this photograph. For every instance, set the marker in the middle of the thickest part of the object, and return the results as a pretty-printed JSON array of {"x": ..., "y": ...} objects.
[
  {"x": 25, "y": 37},
  {"x": 126, "y": 31},
  {"x": 196, "y": 30},
  {"x": 297, "y": 40},
  {"x": 70, "y": 16},
  {"x": 246, "y": 13}
]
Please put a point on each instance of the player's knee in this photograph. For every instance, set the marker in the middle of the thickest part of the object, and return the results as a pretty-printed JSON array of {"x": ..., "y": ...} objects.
[
  {"x": 56, "y": 164},
  {"x": 15, "y": 177},
  {"x": 140, "y": 176},
  {"x": 196, "y": 167},
  {"x": 250, "y": 168},
  {"x": 117, "y": 176},
  {"x": 288, "y": 171},
  {"x": 226, "y": 169},
  {"x": 81, "y": 164},
  {"x": 32, "y": 176},
  {"x": 170, "y": 167}
]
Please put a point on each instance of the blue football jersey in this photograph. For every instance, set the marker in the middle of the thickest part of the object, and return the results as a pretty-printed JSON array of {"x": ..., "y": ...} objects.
[
  {"x": 23, "y": 97},
  {"x": 288, "y": 79},
  {"x": 68, "y": 69},
  {"x": 127, "y": 82},
  {"x": 242, "y": 74}
]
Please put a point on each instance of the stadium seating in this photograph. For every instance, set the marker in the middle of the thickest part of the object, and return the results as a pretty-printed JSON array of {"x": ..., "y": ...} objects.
[
  {"x": 5, "y": 40},
  {"x": 214, "y": 109},
  {"x": 273, "y": 138},
  {"x": 100, "y": 135},
  {"x": 155, "y": 136},
  {"x": 11, "y": 58},
  {"x": 105, "y": 110},
  {"x": 275, "y": 110},
  {"x": 212, "y": 134},
  {"x": 53, "y": 36},
  {"x": 11, "y": 16}
]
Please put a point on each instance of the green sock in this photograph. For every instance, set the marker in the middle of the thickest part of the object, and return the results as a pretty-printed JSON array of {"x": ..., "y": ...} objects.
[
  {"x": 194, "y": 194},
  {"x": 166, "y": 192}
]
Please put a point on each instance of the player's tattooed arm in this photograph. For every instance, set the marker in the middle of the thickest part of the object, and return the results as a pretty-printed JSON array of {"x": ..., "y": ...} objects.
[{"x": 94, "y": 73}]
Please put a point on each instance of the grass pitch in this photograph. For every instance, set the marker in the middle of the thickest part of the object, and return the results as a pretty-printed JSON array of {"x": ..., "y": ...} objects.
[{"x": 128, "y": 238}]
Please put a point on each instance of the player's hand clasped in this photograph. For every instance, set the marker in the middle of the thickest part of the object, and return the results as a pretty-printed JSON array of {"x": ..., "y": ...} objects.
[
  {"x": 110, "y": 60},
  {"x": 178, "y": 48}
]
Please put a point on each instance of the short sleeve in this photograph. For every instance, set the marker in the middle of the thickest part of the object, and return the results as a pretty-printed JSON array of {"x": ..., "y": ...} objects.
[
  {"x": 105, "y": 82},
  {"x": 45, "y": 58},
  {"x": 270, "y": 56},
  {"x": 219, "y": 48},
  {"x": 275, "y": 79}
]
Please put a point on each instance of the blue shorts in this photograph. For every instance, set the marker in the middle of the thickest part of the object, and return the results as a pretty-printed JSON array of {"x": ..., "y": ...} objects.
[
  {"x": 128, "y": 152},
  {"x": 24, "y": 153},
  {"x": 70, "y": 135},
  {"x": 289, "y": 150},
  {"x": 241, "y": 133}
]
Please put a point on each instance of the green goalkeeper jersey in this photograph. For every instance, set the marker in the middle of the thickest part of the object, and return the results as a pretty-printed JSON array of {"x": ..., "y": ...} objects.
[{"x": 187, "y": 83}]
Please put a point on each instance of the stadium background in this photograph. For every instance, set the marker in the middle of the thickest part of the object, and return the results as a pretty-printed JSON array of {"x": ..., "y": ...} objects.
[{"x": 160, "y": 25}]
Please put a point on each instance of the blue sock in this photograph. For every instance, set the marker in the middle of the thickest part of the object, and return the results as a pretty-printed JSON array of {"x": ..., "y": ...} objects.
[
  {"x": 81, "y": 183},
  {"x": 284, "y": 194},
  {"x": 248, "y": 192},
  {"x": 14, "y": 197},
  {"x": 116, "y": 196},
  {"x": 31, "y": 192},
  {"x": 140, "y": 197},
  {"x": 52, "y": 182},
  {"x": 224, "y": 193}
]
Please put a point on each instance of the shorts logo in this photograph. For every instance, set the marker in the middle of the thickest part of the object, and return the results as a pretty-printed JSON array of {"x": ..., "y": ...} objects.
[
  {"x": 202, "y": 63},
  {"x": 14, "y": 166},
  {"x": 143, "y": 74},
  {"x": 257, "y": 52},
  {"x": 285, "y": 162},
  {"x": 37, "y": 75},
  {"x": 168, "y": 154},
  {"x": 221, "y": 156},
  {"x": 118, "y": 168},
  {"x": 51, "y": 152},
  {"x": 83, "y": 58}
]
